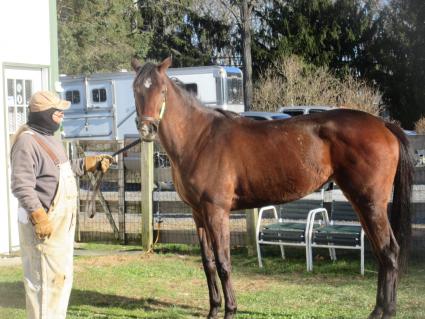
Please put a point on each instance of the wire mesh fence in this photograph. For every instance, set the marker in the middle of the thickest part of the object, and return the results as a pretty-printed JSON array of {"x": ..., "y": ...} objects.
[
  {"x": 172, "y": 217},
  {"x": 118, "y": 211},
  {"x": 118, "y": 206}
]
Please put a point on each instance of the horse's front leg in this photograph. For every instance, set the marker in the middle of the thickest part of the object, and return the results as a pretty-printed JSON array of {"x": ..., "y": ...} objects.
[
  {"x": 218, "y": 229},
  {"x": 210, "y": 269}
]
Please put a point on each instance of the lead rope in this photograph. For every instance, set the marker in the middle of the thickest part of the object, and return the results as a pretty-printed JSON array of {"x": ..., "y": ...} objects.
[{"x": 98, "y": 179}]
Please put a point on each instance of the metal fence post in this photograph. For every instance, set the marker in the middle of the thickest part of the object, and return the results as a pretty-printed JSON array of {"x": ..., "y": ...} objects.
[
  {"x": 251, "y": 225},
  {"x": 146, "y": 175}
]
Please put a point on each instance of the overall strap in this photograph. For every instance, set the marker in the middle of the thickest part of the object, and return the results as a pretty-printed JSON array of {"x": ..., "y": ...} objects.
[{"x": 48, "y": 150}]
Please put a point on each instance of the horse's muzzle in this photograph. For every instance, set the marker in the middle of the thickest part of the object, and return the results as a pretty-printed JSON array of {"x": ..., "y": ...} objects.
[{"x": 148, "y": 132}]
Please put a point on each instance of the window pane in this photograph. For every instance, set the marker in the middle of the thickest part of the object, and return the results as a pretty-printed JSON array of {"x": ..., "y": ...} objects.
[
  {"x": 68, "y": 96},
  {"x": 20, "y": 116},
  {"x": 192, "y": 88},
  {"x": 95, "y": 95},
  {"x": 12, "y": 126},
  {"x": 76, "y": 97},
  {"x": 28, "y": 91},
  {"x": 102, "y": 95},
  {"x": 234, "y": 90},
  {"x": 20, "y": 92},
  {"x": 10, "y": 87}
]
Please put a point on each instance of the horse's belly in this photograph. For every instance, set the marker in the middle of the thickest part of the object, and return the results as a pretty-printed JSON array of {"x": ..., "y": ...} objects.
[{"x": 267, "y": 194}]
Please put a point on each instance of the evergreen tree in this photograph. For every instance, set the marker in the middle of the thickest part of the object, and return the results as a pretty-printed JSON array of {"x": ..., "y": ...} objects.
[
  {"x": 330, "y": 33},
  {"x": 99, "y": 36},
  {"x": 399, "y": 59},
  {"x": 178, "y": 29}
]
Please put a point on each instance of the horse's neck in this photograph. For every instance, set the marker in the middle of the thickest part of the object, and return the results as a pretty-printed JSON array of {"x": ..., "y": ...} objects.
[{"x": 182, "y": 127}]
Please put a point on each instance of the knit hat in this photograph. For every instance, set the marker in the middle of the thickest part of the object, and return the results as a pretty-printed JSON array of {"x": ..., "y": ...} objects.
[{"x": 44, "y": 100}]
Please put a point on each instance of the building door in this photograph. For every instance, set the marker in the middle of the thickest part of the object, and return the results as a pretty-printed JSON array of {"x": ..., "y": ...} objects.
[{"x": 19, "y": 85}]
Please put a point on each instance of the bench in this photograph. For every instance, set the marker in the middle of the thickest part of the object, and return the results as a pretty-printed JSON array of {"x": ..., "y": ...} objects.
[
  {"x": 342, "y": 231},
  {"x": 291, "y": 227}
]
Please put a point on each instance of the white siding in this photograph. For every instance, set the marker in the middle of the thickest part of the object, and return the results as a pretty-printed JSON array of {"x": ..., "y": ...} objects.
[{"x": 24, "y": 39}]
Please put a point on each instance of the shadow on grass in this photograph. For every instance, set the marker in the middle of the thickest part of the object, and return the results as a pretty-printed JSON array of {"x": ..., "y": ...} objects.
[
  {"x": 12, "y": 295},
  {"x": 97, "y": 299}
]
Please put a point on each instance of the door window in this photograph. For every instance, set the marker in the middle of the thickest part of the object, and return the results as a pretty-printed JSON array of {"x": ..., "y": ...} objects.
[
  {"x": 19, "y": 92},
  {"x": 20, "y": 84}
]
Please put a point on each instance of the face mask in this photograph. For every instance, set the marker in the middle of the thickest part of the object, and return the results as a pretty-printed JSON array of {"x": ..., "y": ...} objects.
[{"x": 43, "y": 121}]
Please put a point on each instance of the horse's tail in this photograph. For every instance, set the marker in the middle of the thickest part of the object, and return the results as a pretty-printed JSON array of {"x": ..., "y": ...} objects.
[{"x": 400, "y": 217}]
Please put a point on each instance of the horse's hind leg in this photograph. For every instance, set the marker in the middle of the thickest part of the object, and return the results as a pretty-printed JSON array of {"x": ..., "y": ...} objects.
[
  {"x": 218, "y": 228},
  {"x": 386, "y": 298},
  {"x": 210, "y": 269},
  {"x": 377, "y": 227}
]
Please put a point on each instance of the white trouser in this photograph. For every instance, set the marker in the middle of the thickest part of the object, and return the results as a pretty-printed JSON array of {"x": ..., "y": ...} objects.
[{"x": 48, "y": 263}]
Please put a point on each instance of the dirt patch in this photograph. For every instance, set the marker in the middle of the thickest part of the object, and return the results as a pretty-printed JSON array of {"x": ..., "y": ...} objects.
[
  {"x": 113, "y": 259},
  {"x": 10, "y": 261}
]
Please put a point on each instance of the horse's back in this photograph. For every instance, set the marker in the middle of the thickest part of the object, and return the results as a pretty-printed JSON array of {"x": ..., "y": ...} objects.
[
  {"x": 363, "y": 153},
  {"x": 286, "y": 159}
]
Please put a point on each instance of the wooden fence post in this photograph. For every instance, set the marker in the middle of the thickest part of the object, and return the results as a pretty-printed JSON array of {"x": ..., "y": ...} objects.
[
  {"x": 74, "y": 155},
  {"x": 121, "y": 195},
  {"x": 146, "y": 180},
  {"x": 251, "y": 225}
]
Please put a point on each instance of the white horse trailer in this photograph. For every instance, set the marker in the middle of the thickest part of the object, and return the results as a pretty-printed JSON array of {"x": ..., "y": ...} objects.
[{"x": 102, "y": 105}]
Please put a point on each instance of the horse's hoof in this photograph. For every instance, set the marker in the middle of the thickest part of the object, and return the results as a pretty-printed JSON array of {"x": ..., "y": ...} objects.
[
  {"x": 388, "y": 314},
  {"x": 213, "y": 313},
  {"x": 376, "y": 314},
  {"x": 229, "y": 314}
]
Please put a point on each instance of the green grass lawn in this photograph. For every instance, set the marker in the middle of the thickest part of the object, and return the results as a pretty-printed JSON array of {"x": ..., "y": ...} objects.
[{"x": 171, "y": 284}]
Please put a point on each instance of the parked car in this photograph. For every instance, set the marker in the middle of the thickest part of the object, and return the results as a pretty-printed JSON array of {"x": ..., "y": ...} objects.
[
  {"x": 262, "y": 116},
  {"x": 410, "y": 132},
  {"x": 304, "y": 109}
]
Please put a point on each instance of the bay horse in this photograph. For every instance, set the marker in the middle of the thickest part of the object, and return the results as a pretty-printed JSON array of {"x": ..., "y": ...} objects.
[{"x": 222, "y": 162}]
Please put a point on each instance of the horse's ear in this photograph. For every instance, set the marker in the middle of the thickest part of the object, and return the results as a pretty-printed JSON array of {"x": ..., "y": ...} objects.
[
  {"x": 165, "y": 65},
  {"x": 135, "y": 64}
]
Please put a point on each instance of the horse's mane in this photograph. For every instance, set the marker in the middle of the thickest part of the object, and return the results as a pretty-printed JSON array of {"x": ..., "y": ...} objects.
[
  {"x": 229, "y": 114},
  {"x": 190, "y": 99}
]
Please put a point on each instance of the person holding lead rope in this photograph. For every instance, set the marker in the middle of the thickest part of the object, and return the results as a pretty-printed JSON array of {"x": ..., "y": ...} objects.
[{"x": 43, "y": 181}]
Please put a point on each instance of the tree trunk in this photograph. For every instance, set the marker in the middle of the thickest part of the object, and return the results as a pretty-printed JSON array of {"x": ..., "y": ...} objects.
[{"x": 246, "y": 10}]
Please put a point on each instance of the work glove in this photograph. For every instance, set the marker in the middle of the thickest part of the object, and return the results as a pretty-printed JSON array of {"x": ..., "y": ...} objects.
[
  {"x": 98, "y": 163},
  {"x": 42, "y": 225}
]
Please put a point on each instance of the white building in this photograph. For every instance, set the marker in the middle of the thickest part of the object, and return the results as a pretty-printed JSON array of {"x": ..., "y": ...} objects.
[{"x": 28, "y": 63}]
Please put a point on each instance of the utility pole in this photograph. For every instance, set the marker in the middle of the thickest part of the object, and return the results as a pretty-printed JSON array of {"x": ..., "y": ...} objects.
[{"x": 246, "y": 11}]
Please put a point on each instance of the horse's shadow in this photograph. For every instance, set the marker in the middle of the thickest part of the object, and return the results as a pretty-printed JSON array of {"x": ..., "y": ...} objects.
[{"x": 12, "y": 295}]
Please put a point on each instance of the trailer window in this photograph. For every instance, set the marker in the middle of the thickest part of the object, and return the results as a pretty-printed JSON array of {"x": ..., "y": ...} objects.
[
  {"x": 98, "y": 95},
  {"x": 73, "y": 96},
  {"x": 191, "y": 88},
  {"x": 234, "y": 89}
]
